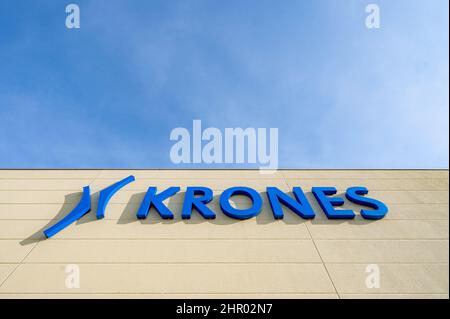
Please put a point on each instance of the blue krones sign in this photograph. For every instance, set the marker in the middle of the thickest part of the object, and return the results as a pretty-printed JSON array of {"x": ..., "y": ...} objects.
[{"x": 197, "y": 197}]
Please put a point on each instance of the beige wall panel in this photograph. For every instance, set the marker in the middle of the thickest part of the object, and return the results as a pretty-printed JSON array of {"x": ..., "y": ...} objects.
[
  {"x": 382, "y": 184},
  {"x": 23, "y": 230},
  {"x": 394, "y": 296},
  {"x": 221, "y": 184},
  {"x": 44, "y": 184},
  {"x": 383, "y": 229},
  {"x": 5, "y": 270},
  {"x": 366, "y": 174},
  {"x": 34, "y": 211},
  {"x": 388, "y": 251},
  {"x": 121, "y": 256},
  {"x": 147, "y": 229},
  {"x": 229, "y": 228},
  {"x": 39, "y": 197},
  {"x": 47, "y": 174},
  {"x": 418, "y": 211},
  {"x": 411, "y": 197},
  {"x": 170, "y": 278},
  {"x": 394, "y": 278},
  {"x": 175, "y": 251},
  {"x": 169, "y": 296},
  {"x": 195, "y": 174},
  {"x": 11, "y": 251},
  {"x": 215, "y": 184}
]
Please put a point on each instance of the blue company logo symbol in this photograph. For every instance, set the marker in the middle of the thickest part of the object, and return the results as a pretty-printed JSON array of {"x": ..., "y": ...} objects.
[{"x": 197, "y": 197}]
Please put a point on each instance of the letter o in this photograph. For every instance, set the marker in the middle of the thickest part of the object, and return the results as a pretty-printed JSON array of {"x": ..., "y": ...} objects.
[{"x": 232, "y": 212}]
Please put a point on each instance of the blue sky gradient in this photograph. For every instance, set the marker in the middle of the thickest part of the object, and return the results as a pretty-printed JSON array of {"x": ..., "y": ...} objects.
[{"x": 109, "y": 94}]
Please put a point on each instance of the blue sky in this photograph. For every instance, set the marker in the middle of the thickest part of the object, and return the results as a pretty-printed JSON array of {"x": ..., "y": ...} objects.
[{"x": 109, "y": 94}]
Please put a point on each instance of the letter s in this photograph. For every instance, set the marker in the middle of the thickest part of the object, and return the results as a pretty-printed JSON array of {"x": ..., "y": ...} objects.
[{"x": 353, "y": 194}]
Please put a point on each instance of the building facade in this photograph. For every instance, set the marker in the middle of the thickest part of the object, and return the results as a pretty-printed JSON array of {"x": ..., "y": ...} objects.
[{"x": 403, "y": 255}]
